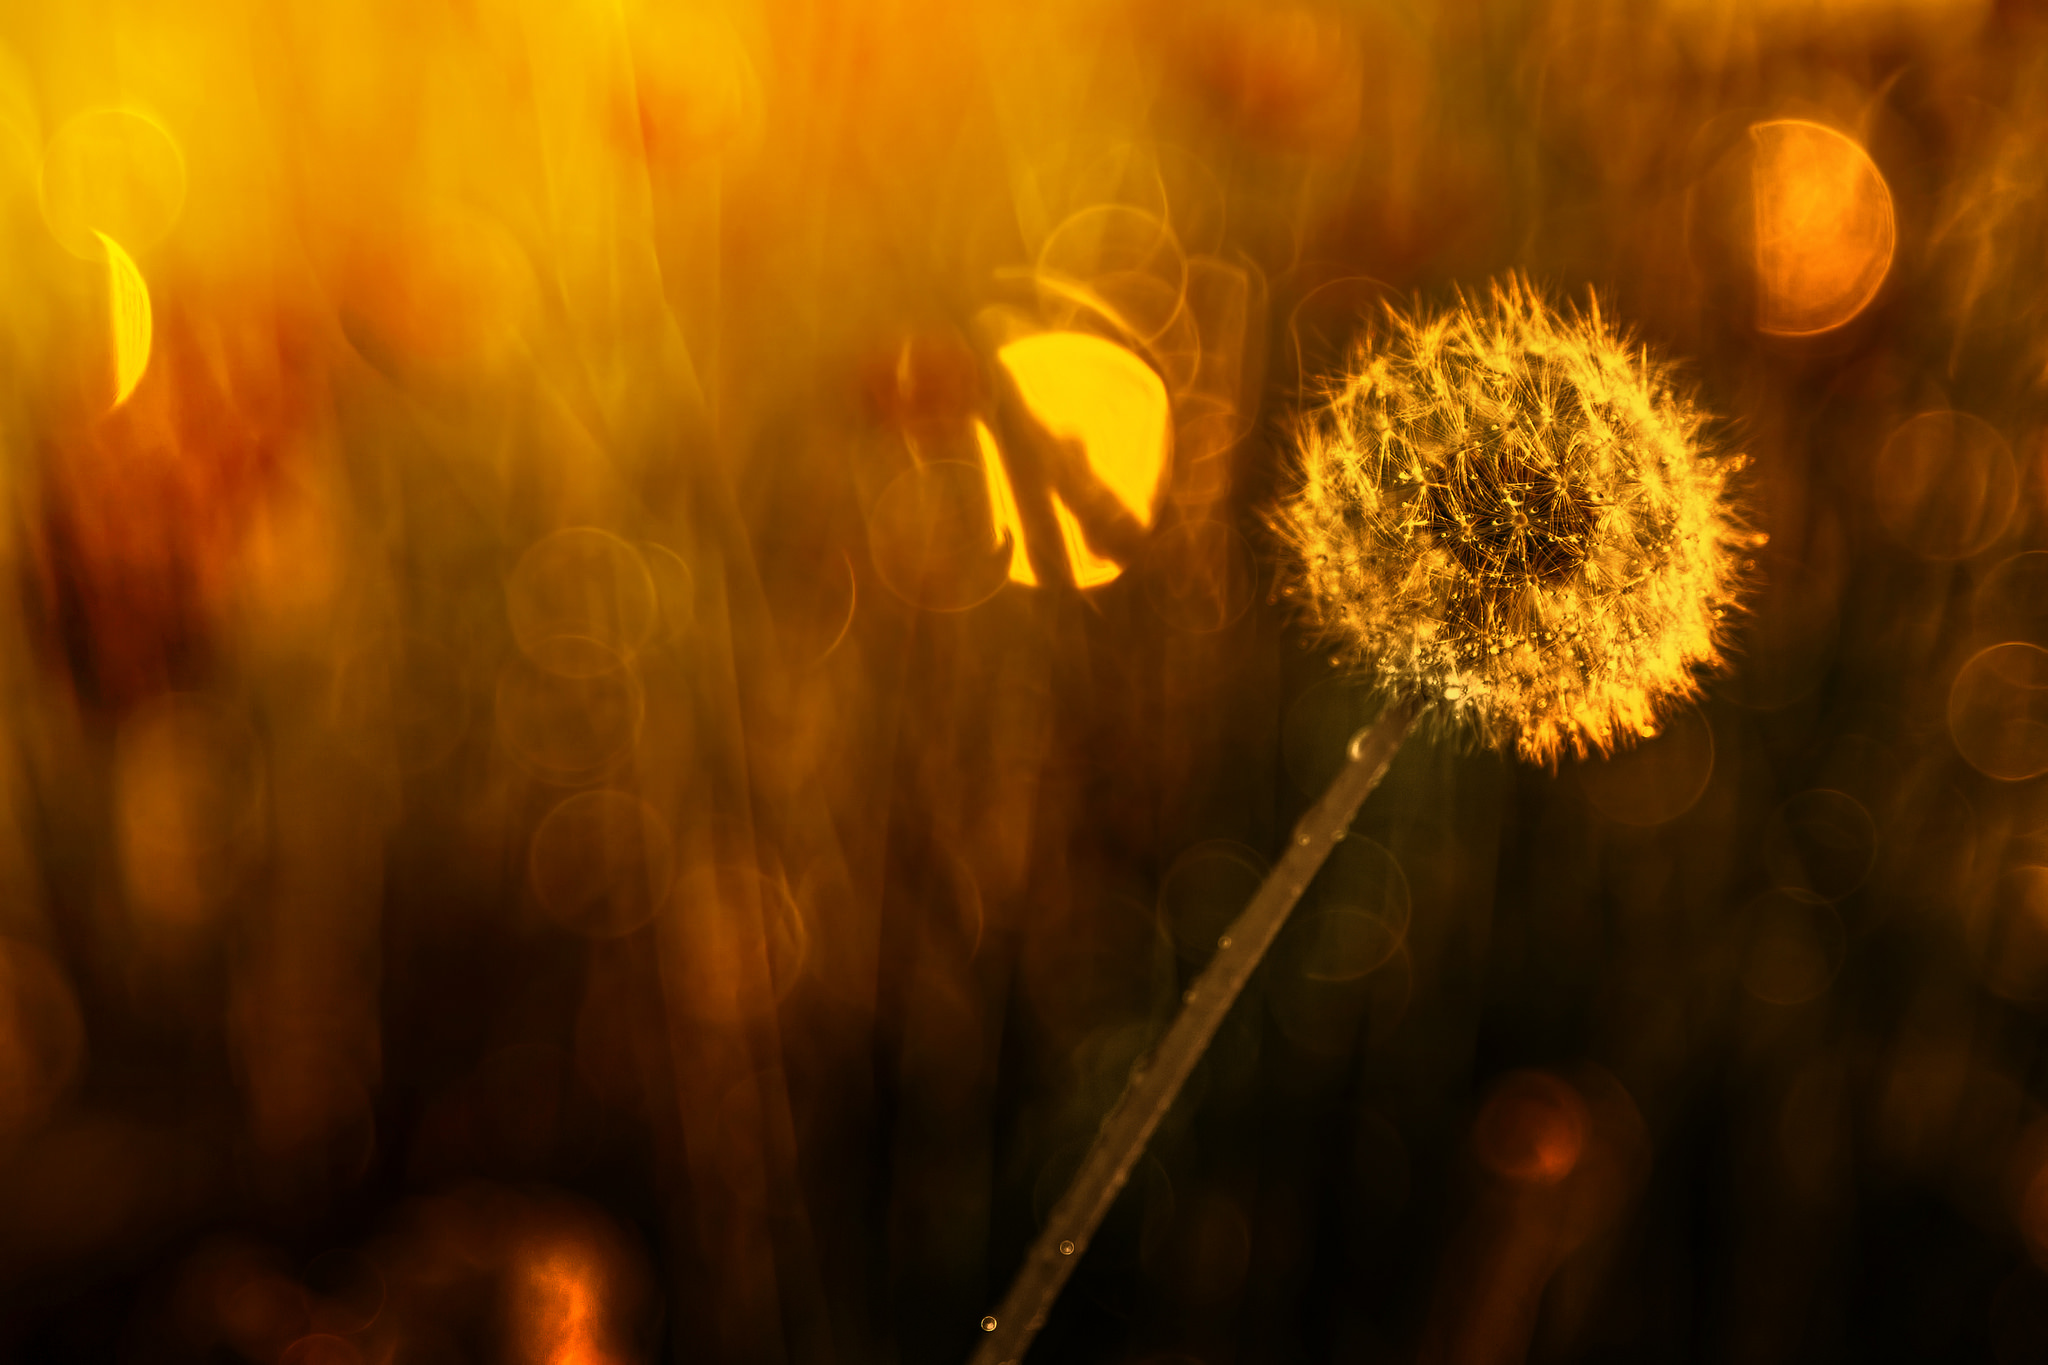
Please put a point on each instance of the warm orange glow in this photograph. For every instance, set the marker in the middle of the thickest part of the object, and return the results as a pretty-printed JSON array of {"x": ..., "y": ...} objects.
[
  {"x": 1824, "y": 230},
  {"x": 1532, "y": 1130},
  {"x": 1998, "y": 711},
  {"x": 128, "y": 307},
  {"x": 575, "y": 718},
  {"x": 735, "y": 943},
  {"x": 1945, "y": 484},
  {"x": 602, "y": 862},
  {"x": 1099, "y": 395},
  {"x": 112, "y": 173},
  {"x": 565, "y": 1326},
  {"x": 437, "y": 285},
  {"x": 1109, "y": 411},
  {"x": 934, "y": 539},
  {"x": 1091, "y": 570},
  {"x": 646, "y": 645},
  {"x": 1002, "y": 501},
  {"x": 584, "y": 584},
  {"x": 188, "y": 791}
]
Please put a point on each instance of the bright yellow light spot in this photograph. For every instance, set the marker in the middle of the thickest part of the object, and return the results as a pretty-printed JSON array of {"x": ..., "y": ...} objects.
[
  {"x": 1091, "y": 570},
  {"x": 1824, "y": 227},
  {"x": 1085, "y": 389},
  {"x": 128, "y": 308},
  {"x": 114, "y": 171},
  {"x": 1002, "y": 501}
]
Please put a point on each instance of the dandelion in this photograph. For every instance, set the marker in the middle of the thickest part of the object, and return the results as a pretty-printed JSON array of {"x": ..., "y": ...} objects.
[
  {"x": 1507, "y": 516},
  {"x": 1505, "y": 513}
]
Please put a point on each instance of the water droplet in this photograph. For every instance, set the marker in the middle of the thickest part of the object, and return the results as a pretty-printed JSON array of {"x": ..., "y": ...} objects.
[
  {"x": 1223, "y": 942},
  {"x": 988, "y": 1324},
  {"x": 1066, "y": 1248}
]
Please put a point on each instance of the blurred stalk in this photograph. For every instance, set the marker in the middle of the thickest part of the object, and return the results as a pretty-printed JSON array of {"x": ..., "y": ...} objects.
[{"x": 1158, "y": 1077}]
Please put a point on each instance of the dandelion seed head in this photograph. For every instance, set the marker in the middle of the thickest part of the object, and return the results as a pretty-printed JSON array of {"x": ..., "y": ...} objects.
[{"x": 1505, "y": 510}]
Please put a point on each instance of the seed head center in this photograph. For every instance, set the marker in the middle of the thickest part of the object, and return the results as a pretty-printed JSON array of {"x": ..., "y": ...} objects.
[{"x": 1502, "y": 506}]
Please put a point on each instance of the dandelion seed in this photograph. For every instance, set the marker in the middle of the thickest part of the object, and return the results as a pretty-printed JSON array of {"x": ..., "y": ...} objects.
[{"x": 1552, "y": 548}]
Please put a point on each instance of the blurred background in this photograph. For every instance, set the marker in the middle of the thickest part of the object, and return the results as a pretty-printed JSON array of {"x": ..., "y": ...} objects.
[{"x": 640, "y": 655}]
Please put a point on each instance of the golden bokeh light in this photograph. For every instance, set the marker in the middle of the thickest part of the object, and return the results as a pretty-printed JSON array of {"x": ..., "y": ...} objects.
[
  {"x": 1946, "y": 484},
  {"x": 1106, "y": 400},
  {"x": 934, "y": 538},
  {"x": 129, "y": 318},
  {"x": 736, "y": 942},
  {"x": 436, "y": 288},
  {"x": 115, "y": 173},
  {"x": 1002, "y": 501},
  {"x": 602, "y": 863},
  {"x": 1998, "y": 711},
  {"x": 575, "y": 714},
  {"x": 1825, "y": 233},
  {"x": 1116, "y": 262},
  {"x": 1108, "y": 416},
  {"x": 1659, "y": 779},
  {"x": 584, "y": 583},
  {"x": 562, "y": 1312},
  {"x": 1090, "y": 569},
  {"x": 1532, "y": 1129}
]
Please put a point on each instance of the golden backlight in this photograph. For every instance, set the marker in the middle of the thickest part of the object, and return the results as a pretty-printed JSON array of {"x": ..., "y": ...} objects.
[
  {"x": 648, "y": 642},
  {"x": 128, "y": 306},
  {"x": 1002, "y": 505},
  {"x": 1109, "y": 408},
  {"x": 1824, "y": 229}
]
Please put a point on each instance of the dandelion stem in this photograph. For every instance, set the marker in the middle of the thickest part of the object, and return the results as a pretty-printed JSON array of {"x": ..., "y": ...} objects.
[{"x": 1158, "y": 1077}]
